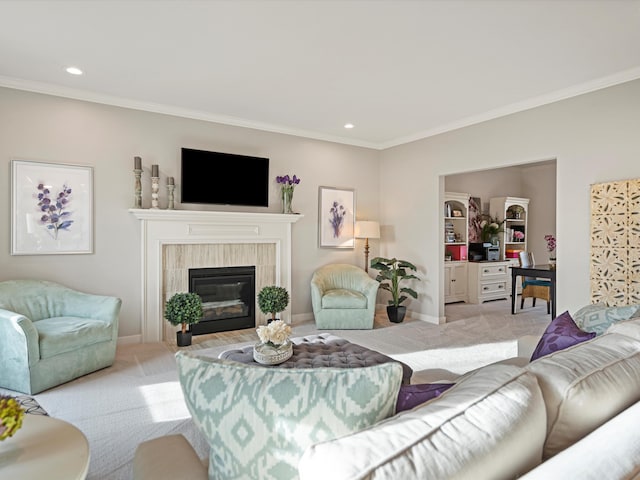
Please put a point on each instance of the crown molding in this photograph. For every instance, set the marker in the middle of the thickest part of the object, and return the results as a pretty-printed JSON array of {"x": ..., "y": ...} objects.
[
  {"x": 558, "y": 95},
  {"x": 77, "y": 94},
  {"x": 111, "y": 100}
]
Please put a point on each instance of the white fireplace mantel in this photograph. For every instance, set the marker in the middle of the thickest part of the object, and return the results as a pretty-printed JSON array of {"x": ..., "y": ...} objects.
[{"x": 161, "y": 227}]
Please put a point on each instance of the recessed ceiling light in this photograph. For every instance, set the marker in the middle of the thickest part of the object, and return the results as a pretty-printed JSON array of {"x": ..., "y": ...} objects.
[
  {"x": 349, "y": 125},
  {"x": 74, "y": 71}
]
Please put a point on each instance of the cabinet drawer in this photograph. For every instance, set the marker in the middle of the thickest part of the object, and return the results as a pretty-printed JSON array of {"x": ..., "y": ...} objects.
[
  {"x": 489, "y": 288},
  {"x": 490, "y": 271}
]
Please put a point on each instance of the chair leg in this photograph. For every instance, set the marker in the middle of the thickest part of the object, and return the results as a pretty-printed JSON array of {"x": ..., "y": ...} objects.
[
  {"x": 522, "y": 303},
  {"x": 534, "y": 301},
  {"x": 548, "y": 307}
]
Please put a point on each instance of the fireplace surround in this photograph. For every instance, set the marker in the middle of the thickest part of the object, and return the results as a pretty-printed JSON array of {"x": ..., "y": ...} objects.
[{"x": 172, "y": 241}]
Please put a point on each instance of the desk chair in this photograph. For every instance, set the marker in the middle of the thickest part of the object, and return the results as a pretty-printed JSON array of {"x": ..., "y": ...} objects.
[{"x": 533, "y": 287}]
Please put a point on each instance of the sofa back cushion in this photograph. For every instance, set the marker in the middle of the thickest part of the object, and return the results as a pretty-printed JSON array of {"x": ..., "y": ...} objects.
[
  {"x": 491, "y": 424},
  {"x": 259, "y": 420},
  {"x": 586, "y": 385},
  {"x": 340, "y": 275},
  {"x": 630, "y": 328}
]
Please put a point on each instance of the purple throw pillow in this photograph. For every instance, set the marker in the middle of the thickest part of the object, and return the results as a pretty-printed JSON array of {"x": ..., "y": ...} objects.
[
  {"x": 561, "y": 333},
  {"x": 412, "y": 395}
]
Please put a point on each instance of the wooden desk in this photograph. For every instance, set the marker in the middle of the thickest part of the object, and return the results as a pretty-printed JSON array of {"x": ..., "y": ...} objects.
[
  {"x": 45, "y": 447},
  {"x": 540, "y": 271}
]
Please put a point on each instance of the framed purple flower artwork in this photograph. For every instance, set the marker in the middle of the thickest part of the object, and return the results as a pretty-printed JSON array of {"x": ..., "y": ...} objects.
[
  {"x": 336, "y": 217},
  {"x": 51, "y": 208}
]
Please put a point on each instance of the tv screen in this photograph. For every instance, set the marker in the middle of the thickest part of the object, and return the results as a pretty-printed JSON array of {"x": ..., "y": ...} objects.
[{"x": 224, "y": 178}]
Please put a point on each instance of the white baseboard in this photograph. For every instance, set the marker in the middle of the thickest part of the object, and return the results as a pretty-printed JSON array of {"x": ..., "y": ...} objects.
[
  {"x": 301, "y": 317},
  {"x": 129, "y": 340}
]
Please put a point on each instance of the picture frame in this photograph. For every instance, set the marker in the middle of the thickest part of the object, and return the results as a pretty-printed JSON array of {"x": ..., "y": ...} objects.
[
  {"x": 457, "y": 213},
  {"x": 51, "y": 208},
  {"x": 336, "y": 217}
]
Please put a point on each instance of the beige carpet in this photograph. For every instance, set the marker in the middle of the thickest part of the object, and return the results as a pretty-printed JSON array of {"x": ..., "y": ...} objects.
[{"x": 139, "y": 398}]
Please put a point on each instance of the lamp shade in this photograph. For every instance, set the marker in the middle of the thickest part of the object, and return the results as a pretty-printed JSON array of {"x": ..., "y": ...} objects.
[{"x": 367, "y": 229}]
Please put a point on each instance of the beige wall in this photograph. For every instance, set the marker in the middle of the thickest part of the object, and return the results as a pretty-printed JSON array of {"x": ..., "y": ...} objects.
[
  {"x": 58, "y": 130},
  {"x": 594, "y": 138}
]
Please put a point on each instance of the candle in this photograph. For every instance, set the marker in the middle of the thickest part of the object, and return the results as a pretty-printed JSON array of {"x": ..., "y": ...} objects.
[
  {"x": 170, "y": 181},
  {"x": 154, "y": 171},
  {"x": 137, "y": 163}
]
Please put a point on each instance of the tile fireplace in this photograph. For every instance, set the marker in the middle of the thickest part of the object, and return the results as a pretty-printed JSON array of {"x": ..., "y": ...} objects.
[{"x": 174, "y": 241}]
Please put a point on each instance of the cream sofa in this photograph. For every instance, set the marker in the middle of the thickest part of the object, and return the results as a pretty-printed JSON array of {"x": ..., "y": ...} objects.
[{"x": 570, "y": 414}]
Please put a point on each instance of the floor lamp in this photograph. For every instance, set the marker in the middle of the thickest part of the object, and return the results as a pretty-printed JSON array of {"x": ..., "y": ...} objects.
[{"x": 367, "y": 230}]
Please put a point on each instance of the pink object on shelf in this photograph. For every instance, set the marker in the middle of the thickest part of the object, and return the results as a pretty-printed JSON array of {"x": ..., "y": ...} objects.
[{"x": 458, "y": 252}]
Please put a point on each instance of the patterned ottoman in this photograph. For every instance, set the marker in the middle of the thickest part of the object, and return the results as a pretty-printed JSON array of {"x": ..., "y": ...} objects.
[{"x": 322, "y": 350}]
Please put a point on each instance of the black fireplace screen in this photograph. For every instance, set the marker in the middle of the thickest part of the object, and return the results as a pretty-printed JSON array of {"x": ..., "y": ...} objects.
[{"x": 228, "y": 298}]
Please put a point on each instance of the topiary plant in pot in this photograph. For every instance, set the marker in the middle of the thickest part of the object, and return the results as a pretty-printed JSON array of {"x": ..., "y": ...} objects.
[
  {"x": 273, "y": 300},
  {"x": 392, "y": 272},
  {"x": 183, "y": 309}
]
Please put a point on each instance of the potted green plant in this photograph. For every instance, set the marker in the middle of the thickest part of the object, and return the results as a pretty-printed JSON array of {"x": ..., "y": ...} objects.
[
  {"x": 273, "y": 300},
  {"x": 392, "y": 272},
  {"x": 183, "y": 309},
  {"x": 448, "y": 255}
]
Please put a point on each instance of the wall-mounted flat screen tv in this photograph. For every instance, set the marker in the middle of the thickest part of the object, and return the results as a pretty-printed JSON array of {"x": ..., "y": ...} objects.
[{"x": 224, "y": 178}]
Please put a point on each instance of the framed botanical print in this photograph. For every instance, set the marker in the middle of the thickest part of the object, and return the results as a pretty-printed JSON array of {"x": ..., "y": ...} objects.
[
  {"x": 336, "y": 217},
  {"x": 51, "y": 208}
]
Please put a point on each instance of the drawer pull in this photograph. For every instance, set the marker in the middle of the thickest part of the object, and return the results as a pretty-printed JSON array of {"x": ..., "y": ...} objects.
[
  {"x": 485, "y": 288},
  {"x": 486, "y": 270}
]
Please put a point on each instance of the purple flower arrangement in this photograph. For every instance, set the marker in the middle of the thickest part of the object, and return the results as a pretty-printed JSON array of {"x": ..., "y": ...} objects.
[
  {"x": 336, "y": 218},
  {"x": 551, "y": 243},
  {"x": 54, "y": 216},
  {"x": 288, "y": 184}
]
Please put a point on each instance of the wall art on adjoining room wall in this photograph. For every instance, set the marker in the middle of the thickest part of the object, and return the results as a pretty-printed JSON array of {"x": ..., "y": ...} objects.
[
  {"x": 475, "y": 211},
  {"x": 336, "y": 217},
  {"x": 51, "y": 208}
]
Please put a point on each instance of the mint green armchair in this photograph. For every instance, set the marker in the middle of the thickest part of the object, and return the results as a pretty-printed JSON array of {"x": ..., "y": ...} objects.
[
  {"x": 343, "y": 297},
  {"x": 50, "y": 334}
]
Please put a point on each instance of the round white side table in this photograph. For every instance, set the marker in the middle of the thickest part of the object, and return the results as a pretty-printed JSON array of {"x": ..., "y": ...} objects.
[{"x": 45, "y": 447}]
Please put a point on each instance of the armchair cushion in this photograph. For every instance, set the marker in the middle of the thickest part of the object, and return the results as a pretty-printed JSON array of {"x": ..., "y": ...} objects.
[
  {"x": 65, "y": 334},
  {"x": 343, "y": 298}
]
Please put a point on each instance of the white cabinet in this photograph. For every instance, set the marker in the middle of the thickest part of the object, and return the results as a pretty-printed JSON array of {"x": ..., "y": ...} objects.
[
  {"x": 456, "y": 225},
  {"x": 455, "y": 282},
  {"x": 514, "y": 211},
  {"x": 456, "y": 238},
  {"x": 488, "y": 281}
]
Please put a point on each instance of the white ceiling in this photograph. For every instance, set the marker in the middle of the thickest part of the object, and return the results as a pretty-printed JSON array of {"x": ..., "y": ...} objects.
[{"x": 399, "y": 70}]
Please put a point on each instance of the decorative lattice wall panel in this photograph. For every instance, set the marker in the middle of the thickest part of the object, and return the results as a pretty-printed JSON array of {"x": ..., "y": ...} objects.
[{"x": 615, "y": 242}]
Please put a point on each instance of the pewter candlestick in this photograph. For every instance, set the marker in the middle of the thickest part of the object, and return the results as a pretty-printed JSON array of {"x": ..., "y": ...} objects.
[
  {"x": 155, "y": 186},
  {"x": 138, "y": 188},
  {"x": 170, "y": 195}
]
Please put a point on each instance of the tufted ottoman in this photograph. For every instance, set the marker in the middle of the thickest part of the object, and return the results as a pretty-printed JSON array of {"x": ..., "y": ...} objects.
[{"x": 322, "y": 350}]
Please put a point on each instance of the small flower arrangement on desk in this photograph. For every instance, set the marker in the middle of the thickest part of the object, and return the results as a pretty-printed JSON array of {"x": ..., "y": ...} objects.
[
  {"x": 11, "y": 415},
  {"x": 551, "y": 248}
]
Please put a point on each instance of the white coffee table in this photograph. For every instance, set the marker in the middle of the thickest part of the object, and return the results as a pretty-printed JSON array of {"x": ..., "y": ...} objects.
[{"x": 45, "y": 447}]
